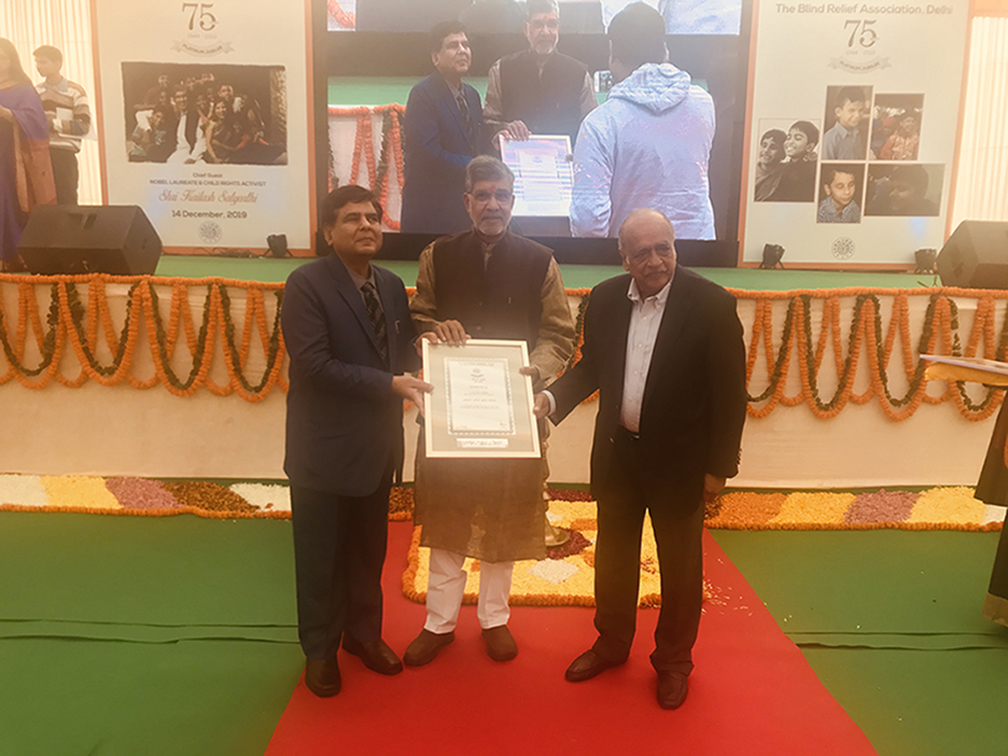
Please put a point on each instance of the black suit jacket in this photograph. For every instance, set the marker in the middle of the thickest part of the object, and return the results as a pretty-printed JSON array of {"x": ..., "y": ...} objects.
[
  {"x": 695, "y": 396},
  {"x": 437, "y": 147},
  {"x": 344, "y": 424}
]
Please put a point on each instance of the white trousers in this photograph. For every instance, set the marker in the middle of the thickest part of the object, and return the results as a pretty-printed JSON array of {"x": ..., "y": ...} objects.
[{"x": 446, "y": 586}]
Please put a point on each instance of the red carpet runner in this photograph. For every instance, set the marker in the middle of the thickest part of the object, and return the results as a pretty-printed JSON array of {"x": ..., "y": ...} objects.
[{"x": 751, "y": 692}]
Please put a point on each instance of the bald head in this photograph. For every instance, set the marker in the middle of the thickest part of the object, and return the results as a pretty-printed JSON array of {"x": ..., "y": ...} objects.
[
  {"x": 646, "y": 216},
  {"x": 647, "y": 248}
]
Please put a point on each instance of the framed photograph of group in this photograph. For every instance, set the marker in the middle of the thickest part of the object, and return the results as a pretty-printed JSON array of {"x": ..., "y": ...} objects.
[{"x": 204, "y": 124}]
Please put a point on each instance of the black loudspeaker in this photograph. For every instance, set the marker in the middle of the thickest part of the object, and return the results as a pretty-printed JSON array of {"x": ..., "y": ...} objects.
[
  {"x": 72, "y": 239},
  {"x": 976, "y": 256}
]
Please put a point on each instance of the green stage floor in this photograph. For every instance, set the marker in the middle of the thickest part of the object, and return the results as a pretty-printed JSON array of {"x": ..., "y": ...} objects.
[
  {"x": 129, "y": 635},
  {"x": 270, "y": 270}
]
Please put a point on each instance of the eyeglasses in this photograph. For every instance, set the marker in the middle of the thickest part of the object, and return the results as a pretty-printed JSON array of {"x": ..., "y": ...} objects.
[
  {"x": 664, "y": 250},
  {"x": 503, "y": 196},
  {"x": 552, "y": 24}
]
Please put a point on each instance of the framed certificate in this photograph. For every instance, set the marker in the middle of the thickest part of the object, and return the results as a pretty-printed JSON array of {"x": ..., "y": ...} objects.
[
  {"x": 544, "y": 175},
  {"x": 481, "y": 405}
]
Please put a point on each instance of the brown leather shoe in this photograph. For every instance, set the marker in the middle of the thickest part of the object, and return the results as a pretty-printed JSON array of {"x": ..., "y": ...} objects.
[
  {"x": 376, "y": 655},
  {"x": 425, "y": 647},
  {"x": 586, "y": 666},
  {"x": 322, "y": 676},
  {"x": 672, "y": 689},
  {"x": 500, "y": 644}
]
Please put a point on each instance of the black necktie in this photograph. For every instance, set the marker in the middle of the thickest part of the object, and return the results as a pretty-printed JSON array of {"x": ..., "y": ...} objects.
[
  {"x": 377, "y": 318},
  {"x": 463, "y": 106}
]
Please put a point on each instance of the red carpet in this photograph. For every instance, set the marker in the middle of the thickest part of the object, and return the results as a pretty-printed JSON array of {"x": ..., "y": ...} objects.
[{"x": 751, "y": 692}]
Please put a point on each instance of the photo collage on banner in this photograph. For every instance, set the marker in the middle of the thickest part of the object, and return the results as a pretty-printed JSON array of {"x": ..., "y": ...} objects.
[
  {"x": 841, "y": 135},
  {"x": 206, "y": 127}
]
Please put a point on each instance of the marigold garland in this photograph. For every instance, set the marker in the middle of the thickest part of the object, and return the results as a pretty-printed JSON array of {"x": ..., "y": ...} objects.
[
  {"x": 86, "y": 330},
  {"x": 70, "y": 321},
  {"x": 391, "y": 144}
]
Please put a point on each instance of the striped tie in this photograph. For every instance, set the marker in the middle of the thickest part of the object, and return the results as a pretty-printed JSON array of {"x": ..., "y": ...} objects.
[{"x": 377, "y": 318}]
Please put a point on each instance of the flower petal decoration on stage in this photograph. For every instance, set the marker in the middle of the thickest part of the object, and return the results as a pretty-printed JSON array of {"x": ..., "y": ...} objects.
[
  {"x": 265, "y": 498},
  {"x": 572, "y": 510}
]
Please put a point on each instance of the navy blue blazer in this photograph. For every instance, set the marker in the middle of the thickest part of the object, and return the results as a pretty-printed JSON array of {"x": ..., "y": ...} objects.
[
  {"x": 437, "y": 147},
  {"x": 344, "y": 424}
]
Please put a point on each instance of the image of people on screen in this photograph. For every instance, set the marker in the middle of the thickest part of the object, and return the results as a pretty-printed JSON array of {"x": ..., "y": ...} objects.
[
  {"x": 538, "y": 90},
  {"x": 685, "y": 17},
  {"x": 649, "y": 143},
  {"x": 195, "y": 115},
  {"x": 840, "y": 193}
]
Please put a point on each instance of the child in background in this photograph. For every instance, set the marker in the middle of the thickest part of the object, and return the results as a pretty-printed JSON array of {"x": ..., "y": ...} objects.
[
  {"x": 903, "y": 143},
  {"x": 768, "y": 165},
  {"x": 844, "y": 141},
  {"x": 839, "y": 186},
  {"x": 798, "y": 172},
  {"x": 148, "y": 142}
]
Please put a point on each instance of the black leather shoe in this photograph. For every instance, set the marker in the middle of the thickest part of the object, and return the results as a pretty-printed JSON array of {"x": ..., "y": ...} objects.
[
  {"x": 376, "y": 655},
  {"x": 672, "y": 689},
  {"x": 425, "y": 647},
  {"x": 322, "y": 677},
  {"x": 586, "y": 666},
  {"x": 500, "y": 644}
]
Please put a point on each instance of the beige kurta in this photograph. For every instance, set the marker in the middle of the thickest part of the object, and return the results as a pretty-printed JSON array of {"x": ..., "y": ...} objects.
[{"x": 490, "y": 509}]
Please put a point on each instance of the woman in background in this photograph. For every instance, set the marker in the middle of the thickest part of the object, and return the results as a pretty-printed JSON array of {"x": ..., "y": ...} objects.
[
  {"x": 223, "y": 134},
  {"x": 26, "y": 176}
]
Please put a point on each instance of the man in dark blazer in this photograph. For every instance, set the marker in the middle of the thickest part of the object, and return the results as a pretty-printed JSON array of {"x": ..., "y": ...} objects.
[
  {"x": 664, "y": 348},
  {"x": 444, "y": 120},
  {"x": 347, "y": 328}
]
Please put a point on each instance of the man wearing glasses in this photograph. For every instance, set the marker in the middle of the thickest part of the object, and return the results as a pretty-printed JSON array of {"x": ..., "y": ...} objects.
[
  {"x": 663, "y": 347},
  {"x": 538, "y": 90},
  {"x": 486, "y": 283}
]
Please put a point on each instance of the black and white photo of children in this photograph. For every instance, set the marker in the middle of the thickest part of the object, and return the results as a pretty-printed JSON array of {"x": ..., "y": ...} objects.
[
  {"x": 786, "y": 168},
  {"x": 909, "y": 189},
  {"x": 769, "y": 163},
  {"x": 201, "y": 113}
]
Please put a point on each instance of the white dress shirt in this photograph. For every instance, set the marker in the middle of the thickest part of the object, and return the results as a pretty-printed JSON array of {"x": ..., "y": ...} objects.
[{"x": 645, "y": 318}]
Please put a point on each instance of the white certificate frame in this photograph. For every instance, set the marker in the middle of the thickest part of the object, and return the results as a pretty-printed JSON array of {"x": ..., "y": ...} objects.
[
  {"x": 558, "y": 188},
  {"x": 519, "y": 440}
]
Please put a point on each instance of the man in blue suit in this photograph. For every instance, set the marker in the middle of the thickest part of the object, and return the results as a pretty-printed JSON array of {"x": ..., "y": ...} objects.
[
  {"x": 444, "y": 120},
  {"x": 347, "y": 328}
]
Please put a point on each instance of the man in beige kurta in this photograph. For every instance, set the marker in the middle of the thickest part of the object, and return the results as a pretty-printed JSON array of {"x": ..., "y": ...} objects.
[{"x": 486, "y": 283}]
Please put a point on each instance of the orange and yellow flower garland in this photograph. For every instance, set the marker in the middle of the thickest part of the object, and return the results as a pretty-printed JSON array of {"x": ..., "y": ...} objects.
[
  {"x": 70, "y": 324},
  {"x": 391, "y": 144}
]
